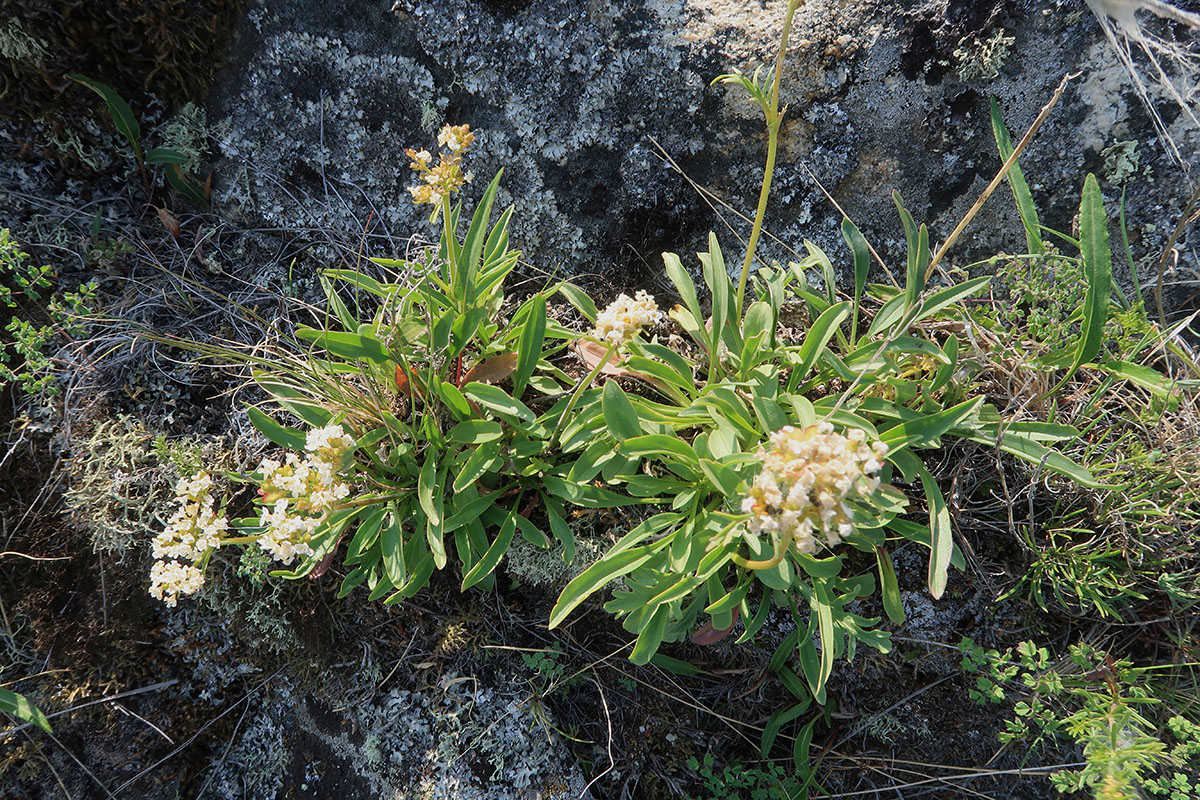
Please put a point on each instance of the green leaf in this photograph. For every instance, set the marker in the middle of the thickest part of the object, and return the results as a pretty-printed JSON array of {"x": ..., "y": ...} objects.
[
  {"x": 949, "y": 296},
  {"x": 674, "y": 665},
  {"x": 391, "y": 543},
  {"x": 917, "y": 240},
  {"x": 281, "y": 435},
  {"x": 889, "y": 314},
  {"x": 123, "y": 119},
  {"x": 473, "y": 242},
  {"x": 659, "y": 445},
  {"x": 650, "y": 636},
  {"x": 465, "y": 508},
  {"x": 559, "y": 527},
  {"x": 364, "y": 539},
  {"x": 1097, "y": 267},
  {"x": 165, "y": 155},
  {"x": 498, "y": 400},
  {"x": 1150, "y": 379},
  {"x": 890, "y": 588},
  {"x": 1016, "y": 180},
  {"x": 426, "y": 486},
  {"x": 822, "y": 604},
  {"x": 580, "y": 299},
  {"x": 452, "y": 397},
  {"x": 926, "y": 429},
  {"x": 533, "y": 336},
  {"x": 366, "y": 282},
  {"x": 610, "y": 567},
  {"x": 723, "y": 479},
  {"x": 495, "y": 552},
  {"x": 940, "y": 531},
  {"x": 1036, "y": 453},
  {"x": 585, "y": 495},
  {"x": 20, "y": 707},
  {"x": 756, "y": 330},
  {"x": 619, "y": 414},
  {"x": 862, "y": 265},
  {"x": 475, "y": 431},
  {"x": 187, "y": 187},
  {"x": 477, "y": 465},
  {"x": 347, "y": 345},
  {"x": 818, "y": 337},
  {"x": 779, "y": 717},
  {"x": 683, "y": 283}
]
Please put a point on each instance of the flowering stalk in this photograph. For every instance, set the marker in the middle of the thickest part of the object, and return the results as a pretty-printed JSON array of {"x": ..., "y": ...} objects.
[
  {"x": 774, "y": 119},
  {"x": 583, "y": 384}
]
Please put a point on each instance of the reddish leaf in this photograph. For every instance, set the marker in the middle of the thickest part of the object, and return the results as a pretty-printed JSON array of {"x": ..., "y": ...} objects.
[
  {"x": 323, "y": 567},
  {"x": 593, "y": 353},
  {"x": 491, "y": 370},
  {"x": 406, "y": 384},
  {"x": 708, "y": 635},
  {"x": 169, "y": 222}
]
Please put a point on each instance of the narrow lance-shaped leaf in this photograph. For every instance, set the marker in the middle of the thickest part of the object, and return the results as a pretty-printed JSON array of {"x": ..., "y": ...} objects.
[
  {"x": 20, "y": 707},
  {"x": 124, "y": 120},
  {"x": 862, "y": 265},
  {"x": 1016, "y": 180},
  {"x": 941, "y": 534},
  {"x": 1097, "y": 267}
]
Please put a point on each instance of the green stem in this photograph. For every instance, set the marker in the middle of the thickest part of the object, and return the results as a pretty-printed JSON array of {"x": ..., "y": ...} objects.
[
  {"x": 781, "y": 551},
  {"x": 583, "y": 384},
  {"x": 774, "y": 118}
]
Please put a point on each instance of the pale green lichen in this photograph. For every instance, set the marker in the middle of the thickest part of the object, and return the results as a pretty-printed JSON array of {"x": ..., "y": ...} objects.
[
  {"x": 981, "y": 59},
  {"x": 544, "y": 566},
  {"x": 187, "y": 132},
  {"x": 67, "y": 143},
  {"x": 121, "y": 480},
  {"x": 1121, "y": 161},
  {"x": 118, "y": 485},
  {"x": 21, "y": 46}
]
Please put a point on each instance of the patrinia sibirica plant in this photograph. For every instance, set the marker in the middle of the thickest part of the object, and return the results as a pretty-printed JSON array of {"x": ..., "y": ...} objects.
[{"x": 773, "y": 467}]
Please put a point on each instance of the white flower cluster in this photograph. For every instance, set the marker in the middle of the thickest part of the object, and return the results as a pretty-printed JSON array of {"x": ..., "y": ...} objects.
[
  {"x": 625, "y": 316},
  {"x": 297, "y": 494},
  {"x": 169, "y": 579},
  {"x": 806, "y": 478},
  {"x": 193, "y": 530}
]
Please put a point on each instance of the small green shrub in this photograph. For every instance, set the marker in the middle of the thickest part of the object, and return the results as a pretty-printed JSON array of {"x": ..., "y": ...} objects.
[
  {"x": 40, "y": 318},
  {"x": 1105, "y": 706},
  {"x": 744, "y": 781}
]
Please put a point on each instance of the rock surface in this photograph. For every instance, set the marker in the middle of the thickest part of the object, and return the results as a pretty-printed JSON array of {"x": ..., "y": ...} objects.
[{"x": 574, "y": 100}]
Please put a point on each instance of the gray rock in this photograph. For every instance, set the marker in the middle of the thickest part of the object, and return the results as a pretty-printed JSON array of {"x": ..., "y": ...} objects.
[{"x": 573, "y": 99}]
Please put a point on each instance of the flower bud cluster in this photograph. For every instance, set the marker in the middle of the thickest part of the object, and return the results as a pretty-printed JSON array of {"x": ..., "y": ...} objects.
[
  {"x": 807, "y": 477},
  {"x": 625, "y": 317},
  {"x": 440, "y": 182},
  {"x": 192, "y": 532},
  {"x": 298, "y": 493}
]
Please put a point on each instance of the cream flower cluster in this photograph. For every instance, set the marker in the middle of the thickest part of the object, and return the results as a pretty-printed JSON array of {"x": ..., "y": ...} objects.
[
  {"x": 442, "y": 180},
  {"x": 169, "y": 579},
  {"x": 625, "y": 317},
  {"x": 297, "y": 494},
  {"x": 807, "y": 476},
  {"x": 192, "y": 532}
]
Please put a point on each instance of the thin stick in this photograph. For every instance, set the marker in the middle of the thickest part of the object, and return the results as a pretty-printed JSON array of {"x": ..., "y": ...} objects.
[
  {"x": 612, "y": 763},
  {"x": 1002, "y": 174},
  {"x": 1189, "y": 215},
  {"x": 118, "y": 696}
]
